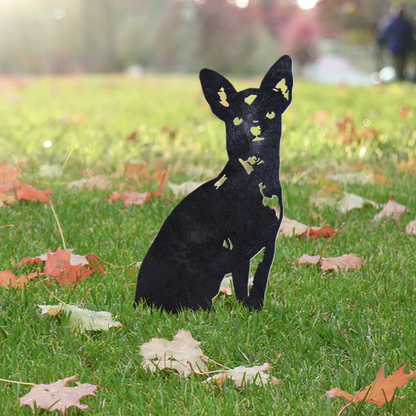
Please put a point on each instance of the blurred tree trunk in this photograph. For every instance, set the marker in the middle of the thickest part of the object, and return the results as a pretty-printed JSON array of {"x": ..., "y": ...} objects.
[{"x": 100, "y": 53}]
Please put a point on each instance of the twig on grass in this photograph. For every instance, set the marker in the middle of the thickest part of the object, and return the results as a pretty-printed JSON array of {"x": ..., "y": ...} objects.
[
  {"x": 59, "y": 225},
  {"x": 203, "y": 374},
  {"x": 343, "y": 408},
  {"x": 61, "y": 301},
  {"x": 6, "y": 226},
  {"x": 332, "y": 236},
  {"x": 17, "y": 382},
  {"x": 113, "y": 265}
]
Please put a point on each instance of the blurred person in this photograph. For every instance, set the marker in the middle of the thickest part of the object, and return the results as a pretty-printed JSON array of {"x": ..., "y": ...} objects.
[{"x": 397, "y": 36}]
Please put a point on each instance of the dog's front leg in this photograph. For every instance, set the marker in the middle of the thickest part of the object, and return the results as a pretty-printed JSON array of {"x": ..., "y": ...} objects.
[
  {"x": 256, "y": 298},
  {"x": 240, "y": 280}
]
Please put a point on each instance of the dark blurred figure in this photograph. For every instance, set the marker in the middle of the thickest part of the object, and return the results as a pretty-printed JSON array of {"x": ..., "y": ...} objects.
[{"x": 397, "y": 36}]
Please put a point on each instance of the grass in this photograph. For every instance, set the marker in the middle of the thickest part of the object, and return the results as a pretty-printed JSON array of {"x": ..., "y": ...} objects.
[{"x": 318, "y": 331}]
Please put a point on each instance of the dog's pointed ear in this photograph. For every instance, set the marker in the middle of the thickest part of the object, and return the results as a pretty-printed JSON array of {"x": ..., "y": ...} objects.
[
  {"x": 217, "y": 89},
  {"x": 278, "y": 83}
]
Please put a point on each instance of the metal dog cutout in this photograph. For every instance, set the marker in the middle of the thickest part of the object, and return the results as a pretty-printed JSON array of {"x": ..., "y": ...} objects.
[{"x": 222, "y": 225}]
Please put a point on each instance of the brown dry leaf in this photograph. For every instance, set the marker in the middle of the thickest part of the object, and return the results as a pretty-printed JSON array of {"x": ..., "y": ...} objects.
[
  {"x": 391, "y": 209},
  {"x": 404, "y": 165},
  {"x": 307, "y": 259},
  {"x": 162, "y": 178},
  {"x": 325, "y": 232},
  {"x": 243, "y": 376},
  {"x": 100, "y": 182},
  {"x": 403, "y": 111},
  {"x": 136, "y": 171},
  {"x": 170, "y": 131},
  {"x": 57, "y": 396},
  {"x": 227, "y": 285},
  {"x": 184, "y": 188},
  {"x": 380, "y": 391},
  {"x": 160, "y": 353},
  {"x": 411, "y": 227},
  {"x": 321, "y": 116},
  {"x": 130, "y": 198},
  {"x": 292, "y": 227},
  {"x": 343, "y": 263},
  {"x": 131, "y": 136}
]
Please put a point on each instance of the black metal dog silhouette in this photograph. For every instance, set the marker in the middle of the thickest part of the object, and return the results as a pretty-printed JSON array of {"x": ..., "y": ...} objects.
[{"x": 222, "y": 225}]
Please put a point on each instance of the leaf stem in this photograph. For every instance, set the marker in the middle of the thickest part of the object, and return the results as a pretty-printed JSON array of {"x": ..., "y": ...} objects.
[
  {"x": 330, "y": 238},
  {"x": 59, "y": 225},
  {"x": 6, "y": 226},
  {"x": 400, "y": 228}
]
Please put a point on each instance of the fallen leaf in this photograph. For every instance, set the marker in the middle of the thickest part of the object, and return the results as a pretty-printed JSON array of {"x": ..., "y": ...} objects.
[
  {"x": 325, "y": 232},
  {"x": 131, "y": 136},
  {"x": 62, "y": 266},
  {"x": 130, "y": 198},
  {"x": 380, "y": 391},
  {"x": 321, "y": 116},
  {"x": 136, "y": 171},
  {"x": 7, "y": 277},
  {"x": 12, "y": 189},
  {"x": 344, "y": 201},
  {"x": 162, "y": 178},
  {"x": 243, "y": 376},
  {"x": 403, "y": 111},
  {"x": 391, "y": 209},
  {"x": 100, "y": 182},
  {"x": 59, "y": 267},
  {"x": 170, "y": 131},
  {"x": 346, "y": 128},
  {"x": 82, "y": 319},
  {"x": 57, "y": 396},
  {"x": 411, "y": 227},
  {"x": 352, "y": 201},
  {"x": 343, "y": 263},
  {"x": 227, "y": 285},
  {"x": 160, "y": 353},
  {"x": 184, "y": 188},
  {"x": 307, "y": 259},
  {"x": 292, "y": 227},
  {"x": 74, "y": 260}
]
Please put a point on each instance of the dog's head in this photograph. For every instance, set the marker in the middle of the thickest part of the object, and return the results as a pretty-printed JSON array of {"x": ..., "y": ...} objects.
[{"x": 253, "y": 117}]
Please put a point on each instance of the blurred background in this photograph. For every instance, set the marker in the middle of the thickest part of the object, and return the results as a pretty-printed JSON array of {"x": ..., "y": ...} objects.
[{"x": 331, "y": 41}]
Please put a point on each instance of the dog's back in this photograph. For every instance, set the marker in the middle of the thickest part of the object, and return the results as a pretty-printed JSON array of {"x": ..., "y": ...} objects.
[{"x": 219, "y": 227}]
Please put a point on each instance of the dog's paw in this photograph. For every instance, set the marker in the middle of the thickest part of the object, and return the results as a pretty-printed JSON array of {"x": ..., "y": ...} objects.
[{"x": 253, "y": 303}]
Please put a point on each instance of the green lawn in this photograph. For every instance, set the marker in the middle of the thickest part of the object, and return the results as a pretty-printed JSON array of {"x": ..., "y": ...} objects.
[{"x": 318, "y": 331}]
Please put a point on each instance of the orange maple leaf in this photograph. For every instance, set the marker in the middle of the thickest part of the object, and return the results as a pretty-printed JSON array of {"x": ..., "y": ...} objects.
[
  {"x": 8, "y": 174},
  {"x": 32, "y": 194},
  {"x": 326, "y": 231},
  {"x": 58, "y": 266},
  {"x": 380, "y": 391},
  {"x": 6, "y": 277}
]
